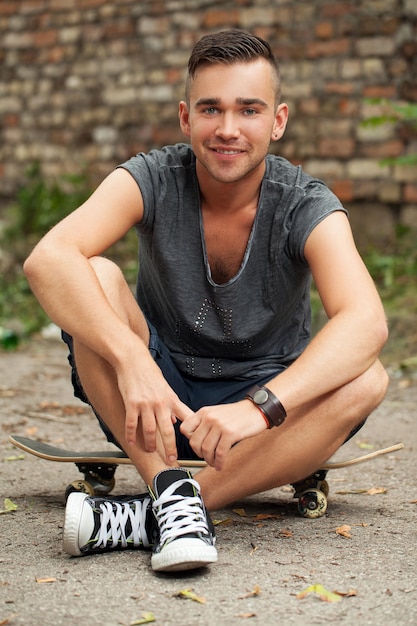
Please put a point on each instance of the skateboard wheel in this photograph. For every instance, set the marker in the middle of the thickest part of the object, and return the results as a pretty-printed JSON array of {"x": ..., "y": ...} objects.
[
  {"x": 312, "y": 503},
  {"x": 79, "y": 486}
]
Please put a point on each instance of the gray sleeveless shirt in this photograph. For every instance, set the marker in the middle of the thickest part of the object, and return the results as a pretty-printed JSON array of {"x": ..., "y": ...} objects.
[{"x": 256, "y": 324}]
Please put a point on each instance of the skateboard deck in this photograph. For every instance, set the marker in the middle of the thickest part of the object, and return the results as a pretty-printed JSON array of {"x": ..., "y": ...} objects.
[{"x": 99, "y": 466}]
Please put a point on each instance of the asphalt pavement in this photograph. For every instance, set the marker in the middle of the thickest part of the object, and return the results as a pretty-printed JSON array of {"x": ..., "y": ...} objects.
[{"x": 275, "y": 567}]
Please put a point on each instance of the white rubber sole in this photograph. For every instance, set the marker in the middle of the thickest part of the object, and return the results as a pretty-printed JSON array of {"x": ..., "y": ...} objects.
[
  {"x": 183, "y": 554},
  {"x": 73, "y": 512}
]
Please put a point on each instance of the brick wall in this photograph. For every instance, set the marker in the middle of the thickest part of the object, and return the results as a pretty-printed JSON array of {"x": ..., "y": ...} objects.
[{"x": 87, "y": 83}]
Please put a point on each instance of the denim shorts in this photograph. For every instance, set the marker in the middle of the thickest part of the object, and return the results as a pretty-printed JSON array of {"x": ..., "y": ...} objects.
[{"x": 194, "y": 392}]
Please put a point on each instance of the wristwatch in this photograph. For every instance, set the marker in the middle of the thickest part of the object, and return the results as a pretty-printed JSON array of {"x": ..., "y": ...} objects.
[{"x": 268, "y": 403}]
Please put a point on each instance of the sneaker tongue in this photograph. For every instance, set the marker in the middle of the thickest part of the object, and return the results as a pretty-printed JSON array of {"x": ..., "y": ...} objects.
[{"x": 164, "y": 479}]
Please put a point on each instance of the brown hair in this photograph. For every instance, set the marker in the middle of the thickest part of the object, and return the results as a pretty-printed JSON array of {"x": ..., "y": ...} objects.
[{"x": 228, "y": 47}]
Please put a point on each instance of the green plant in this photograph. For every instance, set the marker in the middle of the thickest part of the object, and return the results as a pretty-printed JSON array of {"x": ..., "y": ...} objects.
[
  {"x": 403, "y": 115},
  {"x": 39, "y": 205},
  {"x": 395, "y": 270}
]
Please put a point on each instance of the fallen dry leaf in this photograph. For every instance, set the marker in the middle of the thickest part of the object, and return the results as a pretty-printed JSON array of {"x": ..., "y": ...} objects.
[
  {"x": 263, "y": 516},
  {"x": 15, "y": 457},
  {"x": 344, "y": 531},
  {"x": 188, "y": 594},
  {"x": 42, "y": 581},
  {"x": 345, "y": 492},
  {"x": 347, "y": 594},
  {"x": 224, "y": 522},
  {"x": 7, "y": 393},
  {"x": 376, "y": 490},
  {"x": 321, "y": 592},
  {"x": 246, "y": 615},
  {"x": 240, "y": 512},
  {"x": 256, "y": 591},
  {"x": 284, "y": 532}
]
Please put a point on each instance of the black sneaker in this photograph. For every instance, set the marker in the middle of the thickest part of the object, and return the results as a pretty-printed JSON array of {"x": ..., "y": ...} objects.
[
  {"x": 96, "y": 524},
  {"x": 187, "y": 535}
]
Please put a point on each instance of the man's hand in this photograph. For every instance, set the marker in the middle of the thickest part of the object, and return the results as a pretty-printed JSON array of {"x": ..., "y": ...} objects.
[
  {"x": 213, "y": 430},
  {"x": 151, "y": 408}
]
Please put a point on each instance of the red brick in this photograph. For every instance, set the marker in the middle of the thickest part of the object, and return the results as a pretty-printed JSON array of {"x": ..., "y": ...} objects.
[
  {"x": 31, "y": 6},
  {"x": 7, "y": 8},
  {"x": 391, "y": 148},
  {"x": 173, "y": 76},
  {"x": 216, "y": 18},
  {"x": 324, "y": 30},
  {"x": 310, "y": 106},
  {"x": 379, "y": 91},
  {"x": 409, "y": 49},
  {"x": 337, "y": 9},
  {"x": 333, "y": 47},
  {"x": 119, "y": 29},
  {"x": 45, "y": 38},
  {"x": 410, "y": 193},
  {"x": 343, "y": 190},
  {"x": 88, "y": 4},
  {"x": 56, "y": 54},
  {"x": 348, "y": 107},
  {"x": 344, "y": 89},
  {"x": 11, "y": 119}
]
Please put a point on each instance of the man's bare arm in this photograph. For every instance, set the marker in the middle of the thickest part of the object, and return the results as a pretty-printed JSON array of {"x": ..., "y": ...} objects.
[{"x": 60, "y": 275}]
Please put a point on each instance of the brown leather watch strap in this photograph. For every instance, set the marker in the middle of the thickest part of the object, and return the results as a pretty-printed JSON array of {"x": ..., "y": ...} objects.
[{"x": 268, "y": 403}]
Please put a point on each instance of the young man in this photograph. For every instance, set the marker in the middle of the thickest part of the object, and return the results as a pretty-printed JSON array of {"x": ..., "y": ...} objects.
[{"x": 202, "y": 362}]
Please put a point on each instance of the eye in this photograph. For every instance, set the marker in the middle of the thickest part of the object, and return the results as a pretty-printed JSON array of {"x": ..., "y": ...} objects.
[
  {"x": 211, "y": 110},
  {"x": 250, "y": 112}
]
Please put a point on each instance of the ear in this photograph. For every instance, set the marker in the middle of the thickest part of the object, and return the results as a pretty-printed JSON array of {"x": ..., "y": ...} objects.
[
  {"x": 280, "y": 123},
  {"x": 184, "y": 117}
]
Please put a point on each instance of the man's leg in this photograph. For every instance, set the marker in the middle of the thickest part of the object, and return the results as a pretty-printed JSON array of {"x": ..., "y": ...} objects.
[
  {"x": 186, "y": 536},
  {"x": 293, "y": 451}
]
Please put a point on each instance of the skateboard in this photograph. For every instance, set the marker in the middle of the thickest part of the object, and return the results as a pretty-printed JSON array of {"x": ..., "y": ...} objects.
[{"x": 99, "y": 468}]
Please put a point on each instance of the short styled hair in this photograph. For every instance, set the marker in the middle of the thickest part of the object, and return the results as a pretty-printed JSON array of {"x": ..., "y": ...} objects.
[{"x": 228, "y": 47}]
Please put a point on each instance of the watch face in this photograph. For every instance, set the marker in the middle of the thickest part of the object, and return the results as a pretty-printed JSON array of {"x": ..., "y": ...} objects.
[{"x": 260, "y": 396}]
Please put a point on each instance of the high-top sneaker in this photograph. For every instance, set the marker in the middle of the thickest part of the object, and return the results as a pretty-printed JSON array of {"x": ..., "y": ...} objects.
[
  {"x": 96, "y": 524},
  {"x": 187, "y": 535}
]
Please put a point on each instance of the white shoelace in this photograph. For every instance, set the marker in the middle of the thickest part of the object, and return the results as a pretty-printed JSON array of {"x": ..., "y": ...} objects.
[
  {"x": 114, "y": 517},
  {"x": 178, "y": 515}
]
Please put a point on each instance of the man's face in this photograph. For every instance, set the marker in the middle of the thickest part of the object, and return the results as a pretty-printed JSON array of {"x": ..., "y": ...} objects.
[{"x": 231, "y": 118}]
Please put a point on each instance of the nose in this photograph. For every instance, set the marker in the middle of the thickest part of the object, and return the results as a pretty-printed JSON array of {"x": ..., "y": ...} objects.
[{"x": 228, "y": 127}]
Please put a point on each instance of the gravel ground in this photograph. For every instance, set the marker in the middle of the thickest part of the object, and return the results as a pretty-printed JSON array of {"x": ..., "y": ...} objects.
[{"x": 268, "y": 554}]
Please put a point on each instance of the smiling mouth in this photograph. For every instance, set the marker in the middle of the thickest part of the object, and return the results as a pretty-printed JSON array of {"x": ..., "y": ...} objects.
[{"x": 227, "y": 152}]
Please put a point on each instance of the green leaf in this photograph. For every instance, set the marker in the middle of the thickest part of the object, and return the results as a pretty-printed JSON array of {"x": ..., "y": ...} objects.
[
  {"x": 188, "y": 594},
  {"x": 146, "y": 618},
  {"x": 9, "y": 506},
  {"x": 321, "y": 592}
]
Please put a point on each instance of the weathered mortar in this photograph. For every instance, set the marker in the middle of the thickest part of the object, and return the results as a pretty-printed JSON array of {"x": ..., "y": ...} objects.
[{"x": 89, "y": 82}]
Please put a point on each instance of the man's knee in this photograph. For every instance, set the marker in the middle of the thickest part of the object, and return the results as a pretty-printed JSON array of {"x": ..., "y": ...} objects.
[
  {"x": 371, "y": 388},
  {"x": 106, "y": 270}
]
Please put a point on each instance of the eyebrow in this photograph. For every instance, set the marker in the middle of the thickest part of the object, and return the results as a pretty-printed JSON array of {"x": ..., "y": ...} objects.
[{"x": 241, "y": 101}]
